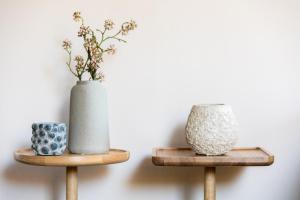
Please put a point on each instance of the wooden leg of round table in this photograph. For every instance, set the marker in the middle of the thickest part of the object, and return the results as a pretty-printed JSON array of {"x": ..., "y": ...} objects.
[
  {"x": 210, "y": 183},
  {"x": 71, "y": 189}
]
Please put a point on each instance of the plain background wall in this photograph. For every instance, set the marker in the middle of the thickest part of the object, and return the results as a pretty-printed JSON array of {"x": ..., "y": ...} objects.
[{"x": 238, "y": 52}]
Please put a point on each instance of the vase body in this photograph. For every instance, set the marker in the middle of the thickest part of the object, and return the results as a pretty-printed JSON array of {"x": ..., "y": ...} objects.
[
  {"x": 211, "y": 129},
  {"x": 88, "y": 125}
]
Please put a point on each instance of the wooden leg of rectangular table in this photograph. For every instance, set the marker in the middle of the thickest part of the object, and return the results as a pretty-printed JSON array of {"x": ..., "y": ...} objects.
[
  {"x": 71, "y": 189},
  {"x": 210, "y": 183}
]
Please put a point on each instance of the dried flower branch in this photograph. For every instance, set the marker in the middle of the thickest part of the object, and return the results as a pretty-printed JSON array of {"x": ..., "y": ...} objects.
[
  {"x": 95, "y": 49},
  {"x": 77, "y": 16},
  {"x": 109, "y": 24}
]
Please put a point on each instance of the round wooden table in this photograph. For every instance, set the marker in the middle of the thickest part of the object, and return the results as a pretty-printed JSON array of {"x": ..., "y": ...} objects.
[{"x": 71, "y": 162}]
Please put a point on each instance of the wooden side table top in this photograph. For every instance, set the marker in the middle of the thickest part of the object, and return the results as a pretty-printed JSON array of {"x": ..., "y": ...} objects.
[
  {"x": 71, "y": 162},
  {"x": 27, "y": 156},
  {"x": 237, "y": 157}
]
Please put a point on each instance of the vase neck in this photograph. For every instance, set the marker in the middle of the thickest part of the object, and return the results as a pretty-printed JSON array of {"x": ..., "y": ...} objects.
[{"x": 87, "y": 82}]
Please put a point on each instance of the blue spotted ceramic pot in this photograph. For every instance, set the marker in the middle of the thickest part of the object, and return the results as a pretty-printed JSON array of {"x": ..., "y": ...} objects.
[{"x": 49, "y": 138}]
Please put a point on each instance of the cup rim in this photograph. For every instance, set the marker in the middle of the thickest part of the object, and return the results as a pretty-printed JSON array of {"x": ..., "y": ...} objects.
[{"x": 52, "y": 123}]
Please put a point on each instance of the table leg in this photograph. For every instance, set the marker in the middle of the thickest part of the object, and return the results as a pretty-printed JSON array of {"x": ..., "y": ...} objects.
[
  {"x": 71, "y": 179},
  {"x": 210, "y": 183}
]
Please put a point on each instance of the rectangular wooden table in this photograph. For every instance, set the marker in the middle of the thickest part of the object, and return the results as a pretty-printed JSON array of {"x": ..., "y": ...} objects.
[{"x": 236, "y": 157}]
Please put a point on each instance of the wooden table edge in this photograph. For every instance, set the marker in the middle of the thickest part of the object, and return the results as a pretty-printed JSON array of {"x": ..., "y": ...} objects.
[
  {"x": 21, "y": 158},
  {"x": 158, "y": 162},
  {"x": 71, "y": 162},
  {"x": 209, "y": 164},
  {"x": 165, "y": 161}
]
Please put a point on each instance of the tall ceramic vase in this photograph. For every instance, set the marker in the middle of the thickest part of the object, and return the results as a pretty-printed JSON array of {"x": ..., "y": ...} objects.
[{"x": 88, "y": 126}]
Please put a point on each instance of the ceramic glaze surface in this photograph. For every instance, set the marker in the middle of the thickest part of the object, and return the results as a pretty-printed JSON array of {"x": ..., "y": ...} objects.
[
  {"x": 211, "y": 129},
  {"x": 49, "y": 138},
  {"x": 88, "y": 119}
]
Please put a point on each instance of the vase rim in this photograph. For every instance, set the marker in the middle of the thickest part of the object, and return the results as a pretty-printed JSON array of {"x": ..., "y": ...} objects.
[
  {"x": 88, "y": 81},
  {"x": 213, "y": 104}
]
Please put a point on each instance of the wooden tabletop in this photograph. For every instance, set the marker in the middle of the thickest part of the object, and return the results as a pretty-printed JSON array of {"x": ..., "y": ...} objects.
[
  {"x": 26, "y": 155},
  {"x": 237, "y": 157}
]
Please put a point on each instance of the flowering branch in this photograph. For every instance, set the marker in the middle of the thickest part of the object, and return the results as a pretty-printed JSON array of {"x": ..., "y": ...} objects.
[
  {"x": 67, "y": 46},
  {"x": 94, "y": 49}
]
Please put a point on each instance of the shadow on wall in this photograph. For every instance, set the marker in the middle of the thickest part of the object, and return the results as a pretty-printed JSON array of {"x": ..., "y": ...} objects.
[
  {"x": 48, "y": 177},
  {"x": 51, "y": 177},
  {"x": 188, "y": 177},
  {"x": 146, "y": 174}
]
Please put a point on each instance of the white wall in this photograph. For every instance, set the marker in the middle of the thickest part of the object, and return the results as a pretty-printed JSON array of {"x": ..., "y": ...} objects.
[{"x": 239, "y": 52}]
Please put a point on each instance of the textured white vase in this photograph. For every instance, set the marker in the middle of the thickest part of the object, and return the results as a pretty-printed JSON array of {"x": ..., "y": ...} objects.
[
  {"x": 211, "y": 129},
  {"x": 88, "y": 127}
]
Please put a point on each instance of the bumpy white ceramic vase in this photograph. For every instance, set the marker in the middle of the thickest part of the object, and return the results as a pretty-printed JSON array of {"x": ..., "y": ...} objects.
[
  {"x": 211, "y": 129},
  {"x": 88, "y": 127}
]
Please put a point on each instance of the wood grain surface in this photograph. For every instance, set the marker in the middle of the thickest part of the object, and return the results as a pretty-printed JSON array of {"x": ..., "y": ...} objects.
[
  {"x": 26, "y": 155},
  {"x": 209, "y": 183},
  {"x": 236, "y": 157},
  {"x": 71, "y": 183}
]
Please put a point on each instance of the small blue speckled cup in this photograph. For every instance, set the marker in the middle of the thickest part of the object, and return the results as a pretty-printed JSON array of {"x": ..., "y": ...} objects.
[{"x": 49, "y": 138}]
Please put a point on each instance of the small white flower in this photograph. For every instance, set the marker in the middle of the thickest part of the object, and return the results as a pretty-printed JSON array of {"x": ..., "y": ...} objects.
[
  {"x": 108, "y": 24},
  {"x": 67, "y": 45},
  {"x": 128, "y": 26},
  {"x": 83, "y": 31},
  {"x": 111, "y": 49},
  {"x": 77, "y": 16}
]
